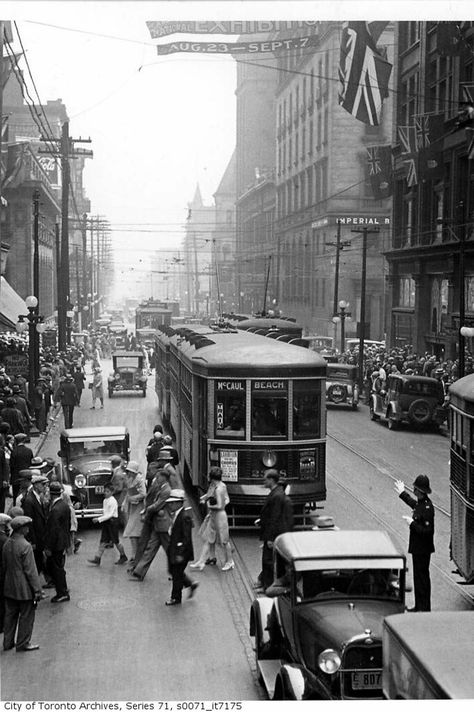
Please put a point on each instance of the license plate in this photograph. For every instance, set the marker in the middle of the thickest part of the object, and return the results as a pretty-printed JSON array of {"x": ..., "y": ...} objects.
[
  {"x": 366, "y": 680},
  {"x": 99, "y": 489}
]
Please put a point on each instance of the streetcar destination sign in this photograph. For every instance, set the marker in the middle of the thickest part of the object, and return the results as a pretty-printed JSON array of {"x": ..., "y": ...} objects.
[
  {"x": 269, "y": 385},
  {"x": 266, "y": 46},
  {"x": 230, "y": 385},
  {"x": 231, "y": 27}
]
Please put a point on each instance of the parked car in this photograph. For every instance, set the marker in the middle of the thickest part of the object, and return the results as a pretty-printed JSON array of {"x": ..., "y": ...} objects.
[
  {"x": 85, "y": 464},
  {"x": 320, "y": 635},
  {"x": 342, "y": 385},
  {"x": 428, "y": 656},
  {"x": 128, "y": 372},
  {"x": 416, "y": 400}
]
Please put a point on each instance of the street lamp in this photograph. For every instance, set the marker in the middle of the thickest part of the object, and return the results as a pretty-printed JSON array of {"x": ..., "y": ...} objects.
[
  {"x": 35, "y": 325},
  {"x": 341, "y": 316}
]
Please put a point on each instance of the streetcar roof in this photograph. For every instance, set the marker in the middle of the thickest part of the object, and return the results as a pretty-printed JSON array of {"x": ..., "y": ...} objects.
[
  {"x": 236, "y": 351},
  {"x": 463, "y": 388},
  {"x": 332, "y": 547}
]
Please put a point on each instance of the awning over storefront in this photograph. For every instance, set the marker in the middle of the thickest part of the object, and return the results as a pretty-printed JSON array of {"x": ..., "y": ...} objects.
[{"x": 11, "y": 306}]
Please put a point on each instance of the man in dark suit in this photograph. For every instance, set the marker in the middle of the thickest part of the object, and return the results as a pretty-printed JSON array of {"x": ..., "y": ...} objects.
[
  {"x": 180, "y": 549},
  {"x": 22, "y": 405},
  {"x": 22, "y": 588},
  {"x": 34, "y": 507},
  {"x": 20, "y": 459},
  {"x": 68, "y": 397},
  {"x": 12, "y": 415},
  {"x": 56, "y": 541},
  {"x": 276, "y": 518},
  {"x": 156, "y": 524}
]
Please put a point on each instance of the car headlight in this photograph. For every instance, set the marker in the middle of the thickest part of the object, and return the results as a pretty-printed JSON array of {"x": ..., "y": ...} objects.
[
  {"x": 269, "y": 458},
  {"x": 80, "y": 481},
  {"x": 329, "y": 661}
]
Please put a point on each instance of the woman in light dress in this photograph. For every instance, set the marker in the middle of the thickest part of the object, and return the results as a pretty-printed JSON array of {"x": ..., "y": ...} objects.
[
  {"x": 133, "y": 504},
  {"x": 215, "y": 527}
]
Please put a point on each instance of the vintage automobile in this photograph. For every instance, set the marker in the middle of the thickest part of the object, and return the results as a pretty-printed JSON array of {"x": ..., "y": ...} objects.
[
  {"x": 416, "y": 400},
  {"x": 85, "y": 464},
  {"x": 129, "y": 373},
  {"x": 320, "y": 635},
  {"x": 342, "y": 387},
  {"x": 428, "y": 656}
]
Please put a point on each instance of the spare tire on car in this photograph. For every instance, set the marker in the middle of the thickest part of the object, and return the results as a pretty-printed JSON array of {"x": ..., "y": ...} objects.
[
  {"x": 419, "y": 412},
  {"x": 337, "y": 393}
]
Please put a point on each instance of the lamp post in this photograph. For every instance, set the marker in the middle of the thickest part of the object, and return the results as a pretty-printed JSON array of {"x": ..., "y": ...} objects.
[
  {"x": 35, "y": 324},
  {"x": 341, "y": 316}
]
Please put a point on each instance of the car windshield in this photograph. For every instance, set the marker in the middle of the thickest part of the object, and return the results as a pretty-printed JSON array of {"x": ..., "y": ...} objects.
[
  {"x": 96, "y": 447},
  {"x": 127, "y": 362},
  {"x": 378, "y": 583}
]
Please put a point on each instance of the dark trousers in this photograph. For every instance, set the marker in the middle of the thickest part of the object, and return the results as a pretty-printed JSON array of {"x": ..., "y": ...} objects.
[
  {"x": 2, "y": 609},
  {"x": 39, "y": 559},
  {"x": 155, "y": 540},
  {"x": 180, "y": 579},
  {"x": 266, "y": 575},
  {"x": 68, "y": 411},
  {"x": 55, "y": 567},
  {"x": 421, "y": 581},
  {"x": 3, "y": 496},
  {"x": 144, "y": 539},
  {"x": 79, "y": 395},
  {"x": 21, "y": 614},
  {"x": 40, "y": 417}
]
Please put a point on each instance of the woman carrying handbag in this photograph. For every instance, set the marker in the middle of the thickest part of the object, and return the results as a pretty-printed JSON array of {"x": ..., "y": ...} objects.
[{"x": 215, "y": 527}]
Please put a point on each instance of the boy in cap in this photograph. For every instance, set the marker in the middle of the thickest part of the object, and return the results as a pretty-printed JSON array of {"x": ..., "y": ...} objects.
[
  {"x": 421, "y": 544},
  {"x": 22, "y": 588},
  {"x": 110, "y": 528},
  {"x": 180, "y": 549}
]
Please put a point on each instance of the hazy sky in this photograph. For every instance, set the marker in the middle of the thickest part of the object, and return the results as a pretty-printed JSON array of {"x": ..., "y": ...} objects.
[{"x": 159, "y": 125}]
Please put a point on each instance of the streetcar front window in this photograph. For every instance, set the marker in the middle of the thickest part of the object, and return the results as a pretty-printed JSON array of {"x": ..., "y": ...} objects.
[
  {"x": 269, "y": 416},
  {"x": 306, "y": 409},
  {"x": 230, "y": 414}
]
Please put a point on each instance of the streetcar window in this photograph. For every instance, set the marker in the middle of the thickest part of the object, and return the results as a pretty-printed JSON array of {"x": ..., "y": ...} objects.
[
  {"x": 230, "y": 414},
  {"x": 269, "y": 415},
  {"x": 306, "y": 409}
]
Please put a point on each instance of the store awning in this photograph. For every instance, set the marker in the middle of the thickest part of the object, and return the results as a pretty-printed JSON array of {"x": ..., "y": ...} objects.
[{"x": 11, "y": 305}]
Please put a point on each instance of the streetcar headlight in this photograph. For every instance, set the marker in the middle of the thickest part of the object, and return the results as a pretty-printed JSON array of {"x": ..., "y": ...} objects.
[
  {"x": 269, "y": 458},
  {"x": 329, "y": 661},
  {"x": 80, "y": 481}
]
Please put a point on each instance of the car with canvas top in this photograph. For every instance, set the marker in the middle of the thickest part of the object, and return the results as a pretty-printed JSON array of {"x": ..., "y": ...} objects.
[{"x": 318, "y": 628}]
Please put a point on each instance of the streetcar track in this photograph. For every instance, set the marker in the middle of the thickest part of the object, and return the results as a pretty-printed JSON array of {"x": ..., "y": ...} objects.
[
  {"x": 468, "y": 597},
  {"x": 383, "y": 470}
]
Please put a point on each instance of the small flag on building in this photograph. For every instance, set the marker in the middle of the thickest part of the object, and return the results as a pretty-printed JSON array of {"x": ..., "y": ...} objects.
[
  {"x": 429, "y": 137},
  {"x": 408, "y": 139},
  {"x": 379, "y": 170},
  {"x": 470, "y": 144},
  {"x": 364, "y": 72}
]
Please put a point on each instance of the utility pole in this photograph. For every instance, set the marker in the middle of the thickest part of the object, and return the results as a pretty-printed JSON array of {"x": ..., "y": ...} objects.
[
  {"x": 365, "y": 231},
  {"x": 264, "y": 310},
  {"x": 66, "y": 149},
  {"x": 83, "y": 301},
  {"x": 339, "y": 247},
  {"x": 33, "y": 333},
  {"x": 78, "y": 287}
]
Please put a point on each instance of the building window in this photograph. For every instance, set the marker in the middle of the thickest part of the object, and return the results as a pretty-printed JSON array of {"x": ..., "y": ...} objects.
[
  {"x": 407, "y": 292},
  {"x": 408, "y": 99},
  {"x": 440, "y": 86},
  {"x": 310, "y": 138},
  {"x": 309, "y": 187}
]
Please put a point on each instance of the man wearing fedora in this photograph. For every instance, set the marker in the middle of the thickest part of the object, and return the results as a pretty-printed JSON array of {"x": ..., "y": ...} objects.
[
  {"x": 22, "y": 588},
  {"x": 57, "y": 540},
  {"x": 34, "y": 507},
  {"x": 20, "y": 459},
  {"x": 420, "y": 544},
  {"x": 180, "y": 548},
  {"x": 68, "y": 397}
]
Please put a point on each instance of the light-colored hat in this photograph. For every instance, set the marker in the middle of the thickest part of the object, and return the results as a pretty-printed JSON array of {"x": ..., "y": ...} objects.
[
  {"x": 18, "y": 522},
  {"x": 38, "y": 463},
  {"x": 20, "y": 437},
  {"x": 38, "y": 478},
  {"x": 4, "y": 519},
  {"x": 133, "y": 466},
  {"x": 176, "y": 495}
]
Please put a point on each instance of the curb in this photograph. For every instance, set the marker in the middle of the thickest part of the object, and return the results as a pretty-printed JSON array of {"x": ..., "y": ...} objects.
[{"x": 39, "y": 442}]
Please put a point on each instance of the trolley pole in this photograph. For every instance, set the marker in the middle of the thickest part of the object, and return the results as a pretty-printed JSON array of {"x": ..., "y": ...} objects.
[
  {"x": 339, "y": 247},
  {"x": 365, "y": 231}
]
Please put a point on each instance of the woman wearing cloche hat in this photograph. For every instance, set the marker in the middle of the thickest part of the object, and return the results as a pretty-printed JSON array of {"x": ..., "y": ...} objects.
[{"x": 421, "y": 544}]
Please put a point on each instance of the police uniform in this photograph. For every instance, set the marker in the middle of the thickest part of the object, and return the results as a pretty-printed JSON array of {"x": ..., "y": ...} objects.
[{"x": 421, "y": 541}]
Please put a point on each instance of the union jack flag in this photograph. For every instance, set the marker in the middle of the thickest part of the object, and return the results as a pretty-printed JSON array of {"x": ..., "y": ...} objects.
[
  {"x": 373, "y": 160},
  {"x": 422, "y": 126},
  {"x": 407, "y": 135},
  {"x": 379, "y": 170},
  {"x": 363, "y": 71}
]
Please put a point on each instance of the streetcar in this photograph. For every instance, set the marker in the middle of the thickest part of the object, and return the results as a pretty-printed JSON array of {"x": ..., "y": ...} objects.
[
  {"x": 461, "y": 475},
  {"x": 247, "y": 403},
  {"x": 152, "y": 314}
]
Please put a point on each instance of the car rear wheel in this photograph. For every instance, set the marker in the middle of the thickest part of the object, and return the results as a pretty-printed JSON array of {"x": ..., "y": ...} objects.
[{"x": 419, "y": 412}]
